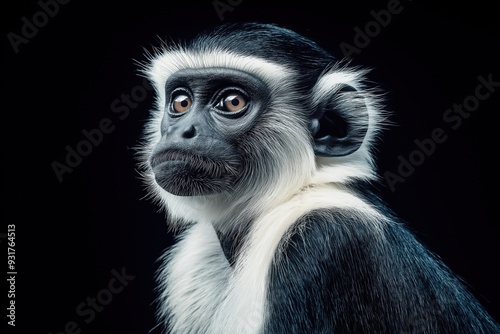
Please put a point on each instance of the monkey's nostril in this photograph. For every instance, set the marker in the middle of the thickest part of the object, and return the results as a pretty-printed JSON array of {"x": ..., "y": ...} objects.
[{"x": 190, "y": 132}]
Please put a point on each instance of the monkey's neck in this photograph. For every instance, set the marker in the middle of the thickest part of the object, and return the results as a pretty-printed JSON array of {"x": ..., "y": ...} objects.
[{"x": 232, "y": 244}]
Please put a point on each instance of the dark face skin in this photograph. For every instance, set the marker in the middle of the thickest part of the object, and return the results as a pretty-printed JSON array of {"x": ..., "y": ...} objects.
[{"x": 207, "y": 113}]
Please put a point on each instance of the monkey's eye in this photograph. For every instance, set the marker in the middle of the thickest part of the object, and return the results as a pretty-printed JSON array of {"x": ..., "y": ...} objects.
[
  {"x": 232, "y": 102},
  {"x": 181, "y": 103}
]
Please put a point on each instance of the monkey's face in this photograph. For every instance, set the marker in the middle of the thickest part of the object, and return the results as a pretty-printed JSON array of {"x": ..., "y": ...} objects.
[
  {"x": 244, "y": 118},
  {"x": 206, "y": 115}
]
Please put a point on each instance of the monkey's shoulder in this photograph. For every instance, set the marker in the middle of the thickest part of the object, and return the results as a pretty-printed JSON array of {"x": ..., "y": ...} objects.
[
  {"x": 368, "y": 278},
  {"x": 327, "y": 231}
]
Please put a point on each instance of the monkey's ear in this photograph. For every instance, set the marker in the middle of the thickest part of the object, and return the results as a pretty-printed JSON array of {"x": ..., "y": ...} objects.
[{"x": 339, "y": 122}]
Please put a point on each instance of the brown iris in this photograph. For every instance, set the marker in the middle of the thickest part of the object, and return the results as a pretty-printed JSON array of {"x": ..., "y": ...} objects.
[
  {"x": 233, "y": 102},
  {"x": 181, "y": 104}
]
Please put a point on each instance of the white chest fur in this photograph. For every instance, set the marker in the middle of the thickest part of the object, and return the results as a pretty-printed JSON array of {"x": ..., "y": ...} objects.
[{"x": 203, "y": 294}]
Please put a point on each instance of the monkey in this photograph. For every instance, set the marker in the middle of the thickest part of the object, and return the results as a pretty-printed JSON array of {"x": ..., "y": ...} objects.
[{"x": 260, "y": 149}]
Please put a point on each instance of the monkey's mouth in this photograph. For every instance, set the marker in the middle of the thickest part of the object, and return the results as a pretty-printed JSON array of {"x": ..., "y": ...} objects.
[
  {"x": 178, "y": 156},
  {"x": 185, "y": 174}
]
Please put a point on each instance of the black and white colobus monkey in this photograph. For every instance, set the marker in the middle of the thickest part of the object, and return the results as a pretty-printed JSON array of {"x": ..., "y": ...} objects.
[{"x": 260, "y": 149}]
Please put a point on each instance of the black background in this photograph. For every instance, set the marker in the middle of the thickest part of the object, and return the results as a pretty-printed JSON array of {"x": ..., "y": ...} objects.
[{"x": 70, "y": 235}]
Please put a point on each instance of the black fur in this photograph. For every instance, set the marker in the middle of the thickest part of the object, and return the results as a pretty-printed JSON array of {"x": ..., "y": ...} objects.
[
  {"x": 268, "y": 41},
  {"x": 338, "y": 275}
]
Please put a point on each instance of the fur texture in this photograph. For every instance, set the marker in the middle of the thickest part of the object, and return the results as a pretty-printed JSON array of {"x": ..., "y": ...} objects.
[{"x": 298, "y": 245}]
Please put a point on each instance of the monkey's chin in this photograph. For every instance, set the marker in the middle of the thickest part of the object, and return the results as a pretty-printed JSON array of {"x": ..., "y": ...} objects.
[{"x": 183, "y": 178}]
